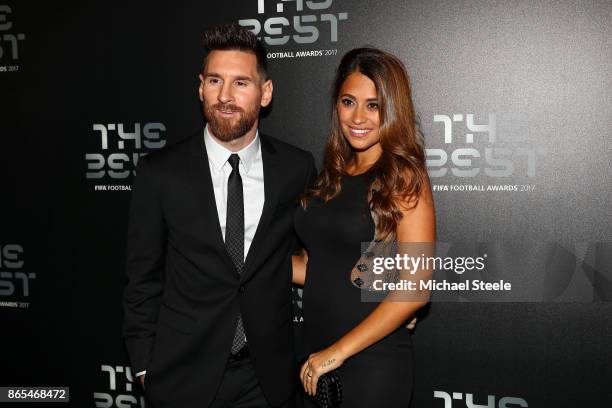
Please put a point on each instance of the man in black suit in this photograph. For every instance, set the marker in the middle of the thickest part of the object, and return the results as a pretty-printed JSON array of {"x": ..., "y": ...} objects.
[{"x": 208, "y": 307}]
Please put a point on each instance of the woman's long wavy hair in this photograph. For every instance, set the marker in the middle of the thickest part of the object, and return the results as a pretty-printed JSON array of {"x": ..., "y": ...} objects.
[{"x": 399, "y": 174}]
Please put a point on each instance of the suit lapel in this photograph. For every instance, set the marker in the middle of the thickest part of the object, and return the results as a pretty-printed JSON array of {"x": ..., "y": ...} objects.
[
  {"x": 271, "y": 166},
  {"x": 201, "y": 183}
]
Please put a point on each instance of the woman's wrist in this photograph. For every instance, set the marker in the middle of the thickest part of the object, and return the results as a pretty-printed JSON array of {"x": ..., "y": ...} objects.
[{"x": 343, "y": 349}]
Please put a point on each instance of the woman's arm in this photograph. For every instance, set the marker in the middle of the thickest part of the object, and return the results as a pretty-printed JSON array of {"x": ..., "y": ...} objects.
[
  {"x": 298, "y": 264},
  {"x": 417, "y": 225}
]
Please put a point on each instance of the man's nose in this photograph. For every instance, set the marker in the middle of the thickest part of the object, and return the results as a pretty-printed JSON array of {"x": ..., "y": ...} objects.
[{"x": 225, "y": 94}]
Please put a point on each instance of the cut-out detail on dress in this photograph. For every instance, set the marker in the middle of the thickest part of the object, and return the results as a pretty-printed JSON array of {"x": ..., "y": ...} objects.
[{"x": 362, "y": 274}]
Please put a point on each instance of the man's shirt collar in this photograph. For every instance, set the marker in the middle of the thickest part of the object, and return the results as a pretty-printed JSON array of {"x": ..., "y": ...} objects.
[{"x": 219, "y": 154}]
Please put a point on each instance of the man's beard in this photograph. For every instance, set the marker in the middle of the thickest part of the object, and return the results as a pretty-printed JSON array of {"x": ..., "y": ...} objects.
[{"x": 228, "y": 129}]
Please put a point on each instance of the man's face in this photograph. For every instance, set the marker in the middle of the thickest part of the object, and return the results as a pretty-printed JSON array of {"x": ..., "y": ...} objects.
[{"x": 232, "y": 93}]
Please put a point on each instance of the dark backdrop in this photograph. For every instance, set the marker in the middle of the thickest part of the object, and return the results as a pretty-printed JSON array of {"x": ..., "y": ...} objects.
[{"x": 87, "y": 87}]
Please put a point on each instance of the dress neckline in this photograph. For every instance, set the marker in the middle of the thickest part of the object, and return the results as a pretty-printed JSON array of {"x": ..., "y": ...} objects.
[{"x": 358, "y": 175}]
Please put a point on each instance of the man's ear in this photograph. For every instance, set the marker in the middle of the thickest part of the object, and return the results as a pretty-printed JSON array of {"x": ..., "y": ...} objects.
[
  {"x": 201, "y": 88},
  {"x": 266, "y": 93}
]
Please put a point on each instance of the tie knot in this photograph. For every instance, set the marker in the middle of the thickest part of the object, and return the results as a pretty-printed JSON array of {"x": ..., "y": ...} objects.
[{"x": 233, "y": 160}]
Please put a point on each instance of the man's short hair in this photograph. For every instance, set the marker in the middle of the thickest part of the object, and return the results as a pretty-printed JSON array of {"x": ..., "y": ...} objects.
[{"x": 234, "y": 37}]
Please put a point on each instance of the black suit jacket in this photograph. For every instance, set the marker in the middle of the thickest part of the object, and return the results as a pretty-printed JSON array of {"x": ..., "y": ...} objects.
[{"x": 183, "y": 293}]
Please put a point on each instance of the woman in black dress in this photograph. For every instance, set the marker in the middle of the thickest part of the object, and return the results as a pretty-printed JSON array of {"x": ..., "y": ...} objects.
[{"x": 374, "y": 169}]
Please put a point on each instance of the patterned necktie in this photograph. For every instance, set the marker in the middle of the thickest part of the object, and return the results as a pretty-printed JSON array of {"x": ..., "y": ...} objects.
[{"x": 234, "y": 235}]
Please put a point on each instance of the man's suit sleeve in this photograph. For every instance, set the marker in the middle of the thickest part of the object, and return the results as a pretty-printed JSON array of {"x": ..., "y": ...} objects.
[
  {"x": 311, "y": 175},
  {"x": 146, "y": 252},
  {"x": 312, "y": 172}
]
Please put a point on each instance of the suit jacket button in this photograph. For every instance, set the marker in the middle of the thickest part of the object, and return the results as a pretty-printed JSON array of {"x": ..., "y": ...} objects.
[{"x": 241, "y": 289}]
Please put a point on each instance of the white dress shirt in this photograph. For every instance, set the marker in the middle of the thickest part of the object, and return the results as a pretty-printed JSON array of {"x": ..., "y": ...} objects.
[{"x": 251, "y": 172}]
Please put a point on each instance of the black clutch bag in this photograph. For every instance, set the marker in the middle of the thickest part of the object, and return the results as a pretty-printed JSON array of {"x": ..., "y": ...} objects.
[{"x": 329, "y": 390}]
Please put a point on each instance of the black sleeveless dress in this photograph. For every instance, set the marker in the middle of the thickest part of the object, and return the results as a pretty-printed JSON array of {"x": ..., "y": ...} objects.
[{"x": 332, "y": 233}]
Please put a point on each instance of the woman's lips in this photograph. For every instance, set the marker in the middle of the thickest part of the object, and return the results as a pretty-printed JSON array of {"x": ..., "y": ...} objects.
[{"x": 359, "y": 132}]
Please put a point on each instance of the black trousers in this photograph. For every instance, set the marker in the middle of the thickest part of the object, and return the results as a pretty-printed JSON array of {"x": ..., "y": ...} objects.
[{"x": 240, "y": 389}]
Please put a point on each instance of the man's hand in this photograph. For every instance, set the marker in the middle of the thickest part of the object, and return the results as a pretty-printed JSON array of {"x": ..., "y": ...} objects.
[
  {"x": 142, "y": 380},
  {"x": 410, "y": 325}
]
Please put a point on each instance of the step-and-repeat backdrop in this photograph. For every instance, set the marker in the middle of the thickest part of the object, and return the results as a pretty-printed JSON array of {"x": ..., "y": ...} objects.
[{"x": 514, "y": 104}]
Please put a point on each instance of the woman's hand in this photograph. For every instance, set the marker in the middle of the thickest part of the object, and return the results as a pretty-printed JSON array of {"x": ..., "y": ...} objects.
[
  {"x": 412, "y": 324},
  {"x": 298, "y": 266},
  {"x": 318, "y": 364}
]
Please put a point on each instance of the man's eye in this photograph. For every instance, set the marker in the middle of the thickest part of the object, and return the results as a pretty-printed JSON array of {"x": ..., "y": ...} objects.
[
  {"x": 241, "y": 83},
  {"x": 213, "y": 81}
]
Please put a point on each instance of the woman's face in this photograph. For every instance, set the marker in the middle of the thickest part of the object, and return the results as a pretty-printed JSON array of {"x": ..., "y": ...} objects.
[{"x": 358, "y": 111}]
